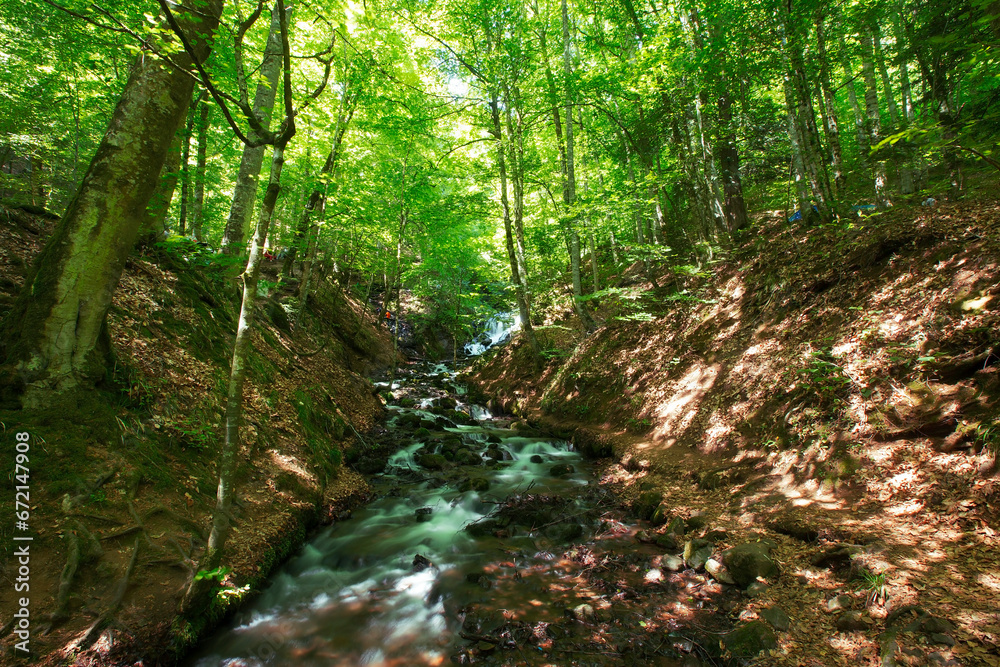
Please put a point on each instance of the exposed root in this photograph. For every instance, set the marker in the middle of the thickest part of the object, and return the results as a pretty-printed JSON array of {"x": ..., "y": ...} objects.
[
  {"x": 97, "y": 627},
  {"x": 69, "y": 503}
]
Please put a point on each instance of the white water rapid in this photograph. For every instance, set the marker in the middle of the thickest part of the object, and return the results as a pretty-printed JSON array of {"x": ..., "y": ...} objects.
[{"x": 496, "y": 330}]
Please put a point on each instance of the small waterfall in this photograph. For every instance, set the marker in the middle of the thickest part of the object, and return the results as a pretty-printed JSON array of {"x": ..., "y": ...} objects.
[{"x": 496, "y": 330}]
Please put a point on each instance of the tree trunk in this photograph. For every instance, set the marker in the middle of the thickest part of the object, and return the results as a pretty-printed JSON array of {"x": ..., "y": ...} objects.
[
  {"x": 245, "y": 191},
  {"x": 811, "y": 150},
  {"x": 516, "y": 172},
  {"x": 154, "y": 224},
  {"x": 569, "y": 191},
  {"x": 872, "y": 110},
  {"x": 52, "y": 332},
  {"x": 194, "y": 599},
  {"x": 801, "y": 189},
  {"x": 316, "y": 203},
  {"x": 182, "y": 226},
  {"x": 522, "y": 298},
  {"x": 199, "y": 174},
  {"x": 830, "y": 123},
  {"x": 729, "y": 157},
  {"x": 860, "y": 129},
  {"x": 907, "y": 174},
  {"x": 884, "y": 74}
]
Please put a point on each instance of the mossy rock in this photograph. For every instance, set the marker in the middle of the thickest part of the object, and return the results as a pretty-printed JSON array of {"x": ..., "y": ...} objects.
[
  {"x": 565, "y": 531},
  {"x": 432, "y": 461},
  {"x": 408, "y": 421},
  {"x": 646, "y": 504},
  {"x": 749, "y": 640},
  {"x": 279, "y": 318},
  {"x": 561, "y": 470},
  {"x": 467, "y": 457},
  {"x": 748, "y": 561},
  {"x": 478, "y": 484},
  {"x": 484, "y": 528}
]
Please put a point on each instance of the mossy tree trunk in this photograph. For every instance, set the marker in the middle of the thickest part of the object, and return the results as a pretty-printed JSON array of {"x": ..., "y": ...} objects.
[
  {"x": 245, "y": 191},
  {"x": 519, "y": 292},
  {"x": 199, "y": 173},
  {"x": 154, "y": 224},
  {"x": 51, "y": 334},
  {"x": 569, "y": 188}
]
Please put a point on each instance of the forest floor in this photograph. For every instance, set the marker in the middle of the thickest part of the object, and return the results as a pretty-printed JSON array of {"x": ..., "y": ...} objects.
[
  {"x": 127, "y": 484},
  {"x": 830, "y": 391}
]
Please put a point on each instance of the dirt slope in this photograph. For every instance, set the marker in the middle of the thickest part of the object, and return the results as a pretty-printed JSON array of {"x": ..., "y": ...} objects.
[
  {"x": 825, "y": 387},
  {"x": 132, "y": 475}
]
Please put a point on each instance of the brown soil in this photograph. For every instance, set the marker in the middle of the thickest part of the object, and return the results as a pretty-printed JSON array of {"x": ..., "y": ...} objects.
[
  {"x": 151, "y": 439},
  {"x": 837, "y": 383}
]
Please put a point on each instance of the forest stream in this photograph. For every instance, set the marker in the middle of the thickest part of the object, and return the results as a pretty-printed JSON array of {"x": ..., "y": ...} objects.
[{"x": 468, "y": 548}]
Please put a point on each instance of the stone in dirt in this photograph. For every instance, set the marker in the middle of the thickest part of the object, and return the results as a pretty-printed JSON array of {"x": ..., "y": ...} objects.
[
  {"x": 750, "y": 639},
  {"x": 718, "y": 571},
  {"x": 696, "y": 521},
  {"x": 776, "y": 617},
  {"x": 666, "y": 541},
  {"x": 697, "y": 552},
  {"x": 852, "y": 621},
  {"x": 672, "y": 563},
  {"x": 749, "y": 561},
  {"x": 646, "y": 505},
  {"x": 794, "y": 526},
  {"x": 840, "y": 603}
]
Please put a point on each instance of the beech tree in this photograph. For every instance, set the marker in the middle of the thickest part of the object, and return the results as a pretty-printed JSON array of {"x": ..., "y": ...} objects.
[{"x": 54, "y": 338}]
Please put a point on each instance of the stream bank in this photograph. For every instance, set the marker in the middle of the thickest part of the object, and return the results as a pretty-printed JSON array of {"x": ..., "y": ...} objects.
[{"x": 831, "y": 390}]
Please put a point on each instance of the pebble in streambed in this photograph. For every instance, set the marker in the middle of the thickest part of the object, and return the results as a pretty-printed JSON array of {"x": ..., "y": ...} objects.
[{"x": 468, "y": 515}]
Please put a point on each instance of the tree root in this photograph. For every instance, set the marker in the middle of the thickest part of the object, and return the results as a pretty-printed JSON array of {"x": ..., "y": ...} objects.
[
  {"x": 97, "y": 627},
  {"x": 59, "y": 614},
  {"x": 69, "y": 503}
]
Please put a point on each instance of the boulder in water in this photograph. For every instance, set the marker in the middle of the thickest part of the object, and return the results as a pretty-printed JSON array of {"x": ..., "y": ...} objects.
[
  {"x": 478, "y": 484},
  {"x": 432, "y": 461},
  {"x": 421, "y": 563},
  {"x": 561, "y": 470}
]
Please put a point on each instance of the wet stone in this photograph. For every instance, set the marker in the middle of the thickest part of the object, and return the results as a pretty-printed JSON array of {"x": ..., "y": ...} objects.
[
  {"x": 421, "y": 563},
  {"x": 561, "y": 470},
  {"x": 474, "y": 484},
  {"x": 423, "y": 514},
  {"x": 432, "y": 461}
]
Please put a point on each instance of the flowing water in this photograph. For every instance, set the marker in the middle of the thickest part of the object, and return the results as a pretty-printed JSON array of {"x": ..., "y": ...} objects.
[
  {"x": 496, "y": 330},
  {"x": 393, "y": 584}
]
